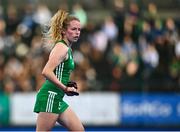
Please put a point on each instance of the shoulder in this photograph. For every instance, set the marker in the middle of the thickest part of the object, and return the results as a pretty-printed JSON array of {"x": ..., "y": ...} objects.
[
  {"x": 61, "y": 46},
  {"x": 61, "y": 42},
  {"x": 59, "y": 50}
]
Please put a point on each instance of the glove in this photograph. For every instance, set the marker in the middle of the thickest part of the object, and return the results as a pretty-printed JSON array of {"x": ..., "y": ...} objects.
[{"x": 72, "y": 84}]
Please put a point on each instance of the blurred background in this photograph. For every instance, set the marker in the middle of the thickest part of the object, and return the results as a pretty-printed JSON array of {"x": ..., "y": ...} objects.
[{"x": 127, "y": 62}]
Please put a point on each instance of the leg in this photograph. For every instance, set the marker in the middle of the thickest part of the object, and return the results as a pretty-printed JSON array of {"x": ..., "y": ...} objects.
[
  {"x": 46, "y": 121},
  {"x": 69, "y": 119}
]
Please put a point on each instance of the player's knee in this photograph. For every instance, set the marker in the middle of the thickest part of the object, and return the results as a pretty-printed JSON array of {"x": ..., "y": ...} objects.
[
  {"x": 77, "y": 128},
  {"x": 43, "y": 128},
  {"x": 38, "y": 129},
  {"x": 81, "y": 128}
]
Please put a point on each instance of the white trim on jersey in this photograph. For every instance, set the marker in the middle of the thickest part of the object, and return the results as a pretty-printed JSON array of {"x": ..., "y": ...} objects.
[{"x": 50, "y": 101}]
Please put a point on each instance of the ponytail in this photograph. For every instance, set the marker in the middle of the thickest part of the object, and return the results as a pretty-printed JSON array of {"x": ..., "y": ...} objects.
[{"x": 56, "y": 25}]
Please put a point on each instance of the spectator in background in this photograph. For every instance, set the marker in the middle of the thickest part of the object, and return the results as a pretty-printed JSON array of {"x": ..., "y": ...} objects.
[
  {"x": 129, "y": 49},
  {"x": 42, "y": 15},
  {"x": 177, "y": 49},
  {"x": 80, "y": 13},
  {"x": 2, "y": 34},
  {"x": 152, "y": 13},
  {"x": 119, "y": 14},
  {"x": 27, "y": 26},
  {"x": 171, "y": 31},
  {"x": 149, "y": 56},
  {"x": 109, "y": 28},
  {"x": 12, "y": 19}
]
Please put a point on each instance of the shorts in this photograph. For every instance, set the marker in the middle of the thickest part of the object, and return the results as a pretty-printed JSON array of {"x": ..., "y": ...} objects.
[{"x": 50, "y": 99}]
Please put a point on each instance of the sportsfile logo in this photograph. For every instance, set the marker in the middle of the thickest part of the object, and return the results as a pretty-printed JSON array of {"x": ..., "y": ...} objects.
[
  {"x": 146, "y": 108},
  {"x": 151, "y": 109},
  {"x": 178, "y": 109}
]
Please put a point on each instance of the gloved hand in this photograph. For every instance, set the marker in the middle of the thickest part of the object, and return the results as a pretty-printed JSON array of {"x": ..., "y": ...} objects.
[{"x": 71, "y": 92}]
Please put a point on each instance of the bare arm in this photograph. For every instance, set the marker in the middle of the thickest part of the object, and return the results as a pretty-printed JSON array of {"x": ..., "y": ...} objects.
[{"x": 57, "y": 55}]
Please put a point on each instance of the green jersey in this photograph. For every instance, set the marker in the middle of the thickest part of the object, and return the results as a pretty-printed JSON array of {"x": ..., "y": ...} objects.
[
  {"x": 63, "y": 70},
  {"x": 50, "y": 97}
]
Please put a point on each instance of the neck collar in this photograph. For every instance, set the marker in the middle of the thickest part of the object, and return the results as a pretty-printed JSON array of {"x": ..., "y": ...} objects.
[{"x": 66, "y": 42}]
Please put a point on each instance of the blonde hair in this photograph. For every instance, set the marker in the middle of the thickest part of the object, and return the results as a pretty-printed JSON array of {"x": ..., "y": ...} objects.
[{"x": 58, "y": 23}]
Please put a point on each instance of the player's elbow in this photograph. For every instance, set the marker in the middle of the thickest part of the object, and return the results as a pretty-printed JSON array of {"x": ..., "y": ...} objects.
[{"x": 44, "y": 72}]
